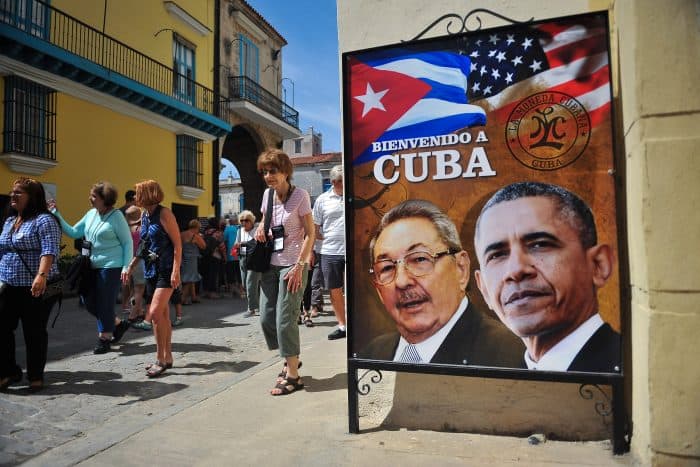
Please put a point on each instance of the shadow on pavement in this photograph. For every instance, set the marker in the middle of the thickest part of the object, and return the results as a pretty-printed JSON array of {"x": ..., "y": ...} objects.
[
  {"x": 217, "y": 367},
  {"x": 333, "y": 383},
  {"x": 127, "y": 349},
  {"x": 103, "y": 383}
]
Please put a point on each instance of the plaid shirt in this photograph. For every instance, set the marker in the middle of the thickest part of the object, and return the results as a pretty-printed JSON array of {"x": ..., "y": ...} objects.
[{"x": 36, "y": 237}]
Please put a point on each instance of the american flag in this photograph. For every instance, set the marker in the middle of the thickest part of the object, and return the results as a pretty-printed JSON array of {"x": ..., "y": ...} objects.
[{"x": 567, "y": 56}]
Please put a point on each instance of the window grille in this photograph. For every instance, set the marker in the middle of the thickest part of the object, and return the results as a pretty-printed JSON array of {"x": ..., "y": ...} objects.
[
  {"x": 30, "y": 118},
  {"x": 190, "y": 155}
]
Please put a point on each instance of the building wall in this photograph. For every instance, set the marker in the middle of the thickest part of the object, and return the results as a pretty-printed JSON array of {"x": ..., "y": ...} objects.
[
  {"x": 655, "y": 87},
  {"x": 97, "y": 143}
]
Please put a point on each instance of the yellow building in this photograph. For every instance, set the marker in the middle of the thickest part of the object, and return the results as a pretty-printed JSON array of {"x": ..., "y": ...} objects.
[{"x": 118, "y": 91}]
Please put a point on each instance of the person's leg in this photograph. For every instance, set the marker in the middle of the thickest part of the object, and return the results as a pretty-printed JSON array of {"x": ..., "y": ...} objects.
[
  {"x": 317, "y": 286},
  {"x": 162, "y": 329},
  {"x": 9, "y": 319},
  {"x": 269, "y": 285},
  {"x": 107, "y": 287},
  {"x": 288, "y": 308},
  {"x": 334, "y": 274},
  {"x": 138, "y": 309},
  {"x": 35, "y": 316}
]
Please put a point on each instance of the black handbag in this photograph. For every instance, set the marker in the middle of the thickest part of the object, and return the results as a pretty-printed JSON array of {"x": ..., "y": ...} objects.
[
  {"x": 259, "y": 254},
  {"x": 79, "y": 277},
  {"x": 54, "y": 287}
]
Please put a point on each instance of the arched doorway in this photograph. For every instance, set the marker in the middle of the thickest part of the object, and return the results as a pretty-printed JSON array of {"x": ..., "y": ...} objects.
[{"x": 242, "y": 147}]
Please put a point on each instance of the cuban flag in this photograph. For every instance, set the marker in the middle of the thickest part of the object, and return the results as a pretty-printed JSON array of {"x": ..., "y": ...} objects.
[{"x": 408, "y": 95}]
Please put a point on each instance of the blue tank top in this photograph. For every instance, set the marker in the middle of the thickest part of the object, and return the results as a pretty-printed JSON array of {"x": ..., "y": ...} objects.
[{"x": 158, "y": 242}]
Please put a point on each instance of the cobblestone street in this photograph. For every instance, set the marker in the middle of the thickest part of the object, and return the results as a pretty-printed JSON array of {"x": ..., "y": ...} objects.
[{"x": 213, "y": 349}]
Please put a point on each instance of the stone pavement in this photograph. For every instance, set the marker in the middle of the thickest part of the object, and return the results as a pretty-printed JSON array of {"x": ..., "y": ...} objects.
[{"x": 213, "y": 407}]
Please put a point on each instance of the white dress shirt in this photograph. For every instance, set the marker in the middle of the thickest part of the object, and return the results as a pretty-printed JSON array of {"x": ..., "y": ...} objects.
[
  {"x": 429, "y": 347},
  {"x": 559, "y": 357}
]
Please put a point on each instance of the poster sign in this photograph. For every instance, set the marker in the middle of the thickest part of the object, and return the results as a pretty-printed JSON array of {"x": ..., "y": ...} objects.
[{"x": 482, "y": 222}]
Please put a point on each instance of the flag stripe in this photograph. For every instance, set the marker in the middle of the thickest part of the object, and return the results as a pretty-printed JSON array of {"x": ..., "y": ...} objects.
[
  {"x": 427, "y": 109},
  {"x": 422, "y": 70},
  {"x": 571, "y": 35},
  {"x": 576, "y": 69},
  {"x": 562, "y": 55}
]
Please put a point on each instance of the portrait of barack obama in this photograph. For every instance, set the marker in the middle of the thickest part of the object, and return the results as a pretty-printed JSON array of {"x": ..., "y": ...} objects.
[
  {"x": 420, "y": 272},
  {"x": 540, "y": 268}
]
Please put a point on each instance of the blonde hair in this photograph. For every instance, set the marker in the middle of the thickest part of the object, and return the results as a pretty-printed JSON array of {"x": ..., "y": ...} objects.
[
  {"x": 246, "y": 215},
  {"x": 194, "y": 223},
  {"x": 148, "y": 192}
]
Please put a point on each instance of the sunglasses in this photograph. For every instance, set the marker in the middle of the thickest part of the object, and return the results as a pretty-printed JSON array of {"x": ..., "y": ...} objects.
[
  {"x": 270, "y": 171},
  {"x": 246, "y": 220}
]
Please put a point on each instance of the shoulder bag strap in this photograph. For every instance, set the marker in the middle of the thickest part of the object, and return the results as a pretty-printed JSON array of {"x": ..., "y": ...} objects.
[{"x": 268, "y": 214}]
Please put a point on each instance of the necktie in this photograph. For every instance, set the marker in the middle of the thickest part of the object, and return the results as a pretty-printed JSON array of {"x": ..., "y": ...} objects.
[{"x": 410, "y": 354}]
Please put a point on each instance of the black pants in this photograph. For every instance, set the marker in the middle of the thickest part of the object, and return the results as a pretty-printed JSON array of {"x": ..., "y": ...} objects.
[
  {"x": 210, "y": 273},
  {"x": 17, "y": 303}
]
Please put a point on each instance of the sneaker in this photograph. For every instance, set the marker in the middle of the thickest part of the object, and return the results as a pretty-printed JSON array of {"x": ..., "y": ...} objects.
[
  {"x": 143, "y": 325},
  {"x": 101, "y": 347},
  {"x": 178, "y": 321},
  {"x": 119, "y": 330},
  {"x": 337, "y": 334},
  {"x": 249, "y": 313}
]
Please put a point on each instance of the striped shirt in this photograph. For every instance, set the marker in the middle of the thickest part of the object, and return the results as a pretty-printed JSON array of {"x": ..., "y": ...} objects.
[{"x": 291, "y": 216}]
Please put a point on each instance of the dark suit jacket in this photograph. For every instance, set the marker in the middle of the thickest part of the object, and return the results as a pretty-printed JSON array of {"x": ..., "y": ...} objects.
[
  {"x": 474, "y": 340},
  {"x": 601, "y": 354}
]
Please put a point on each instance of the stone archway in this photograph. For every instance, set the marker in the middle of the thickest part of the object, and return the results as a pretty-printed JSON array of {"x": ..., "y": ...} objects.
[{"x": 242, "y": 147}]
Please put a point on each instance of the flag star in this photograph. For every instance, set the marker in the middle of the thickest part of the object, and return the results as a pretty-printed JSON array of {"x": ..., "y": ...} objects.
[
  {"x": 509, "y": 78},
  {"x": 510, "y": 39},
  {"x": 501, "y": 56},
  {"x": 493, "y": 38},
  {"x": 476, "y": 87},
  {"x": 472, "y": 66},
  {"x": 527, "y": 43},
  {"x": 487, "y": 90},
  {"x": 535, "y": 66},
  {"x": 517, "y": 60},
  {"x": 483, "y": 70},
  {"x": 495, "y": 74},
  {"x": 478, "y": 43},
  {"x": 492, "y": 52},
  {"x": 371, "y": 100},
  {"x": 474, "y": 54}
]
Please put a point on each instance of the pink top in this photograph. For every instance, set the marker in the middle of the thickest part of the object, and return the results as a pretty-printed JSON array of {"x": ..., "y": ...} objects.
[{"x": 291, "y": 215}]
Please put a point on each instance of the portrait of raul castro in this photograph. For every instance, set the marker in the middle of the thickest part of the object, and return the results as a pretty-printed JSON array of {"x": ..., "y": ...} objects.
[{"x": 420, "y": 272}]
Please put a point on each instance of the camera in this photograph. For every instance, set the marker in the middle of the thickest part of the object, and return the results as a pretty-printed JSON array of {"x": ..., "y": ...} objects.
[{"x": 84, "y": 246}]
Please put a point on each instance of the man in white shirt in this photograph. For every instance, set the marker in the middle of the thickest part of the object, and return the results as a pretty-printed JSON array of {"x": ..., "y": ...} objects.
[
  {"x": 329, "y": 218},
  {"x": 540, "y": 269},
  {"x": 421, "y": 272}
]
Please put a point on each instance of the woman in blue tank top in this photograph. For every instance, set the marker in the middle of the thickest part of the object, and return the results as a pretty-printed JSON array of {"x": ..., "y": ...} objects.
[{"x": 161, "y": 250}]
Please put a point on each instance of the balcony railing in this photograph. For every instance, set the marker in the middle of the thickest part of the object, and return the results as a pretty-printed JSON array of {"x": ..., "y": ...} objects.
[
  {"x": 244, "y": 88},
  {"x": 62, "y": 30}
]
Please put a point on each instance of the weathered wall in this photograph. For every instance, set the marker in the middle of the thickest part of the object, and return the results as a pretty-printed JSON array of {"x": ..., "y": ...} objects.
[{"x": 656, "y": 63}]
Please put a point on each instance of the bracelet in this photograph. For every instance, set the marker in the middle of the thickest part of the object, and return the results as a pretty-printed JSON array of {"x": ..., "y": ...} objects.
[{"x": 41, "y": 274}]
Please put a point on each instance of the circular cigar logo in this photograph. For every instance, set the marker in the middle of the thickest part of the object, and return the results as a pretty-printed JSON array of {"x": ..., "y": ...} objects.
[{"x": 548, "y": 130}]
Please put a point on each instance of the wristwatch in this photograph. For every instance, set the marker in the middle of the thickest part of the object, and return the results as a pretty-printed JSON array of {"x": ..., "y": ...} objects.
[{"x": 301, "y": 263}]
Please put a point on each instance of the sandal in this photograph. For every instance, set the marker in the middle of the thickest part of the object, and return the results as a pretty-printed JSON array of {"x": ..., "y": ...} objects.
[
  {"x": 157, "y": 369},
  {"x": 308, "y": 323},
  {"x": 157, "y": 363},
  {"x": 287, "y": 386},
  {"x": 283, "y": 374}
]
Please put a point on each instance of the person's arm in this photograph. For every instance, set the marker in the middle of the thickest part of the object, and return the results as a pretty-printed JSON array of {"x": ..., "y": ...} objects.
[
  {"x": 121, "y": 228},
  {"x": 294, "y": 276},
  {"x": 50, "y": 239},
  {"x": 199, "y": 240},
  {"x": 167, "y": 220},
  {"x": 77, "y": 230},
  {"x": 319, "y": 235}
]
